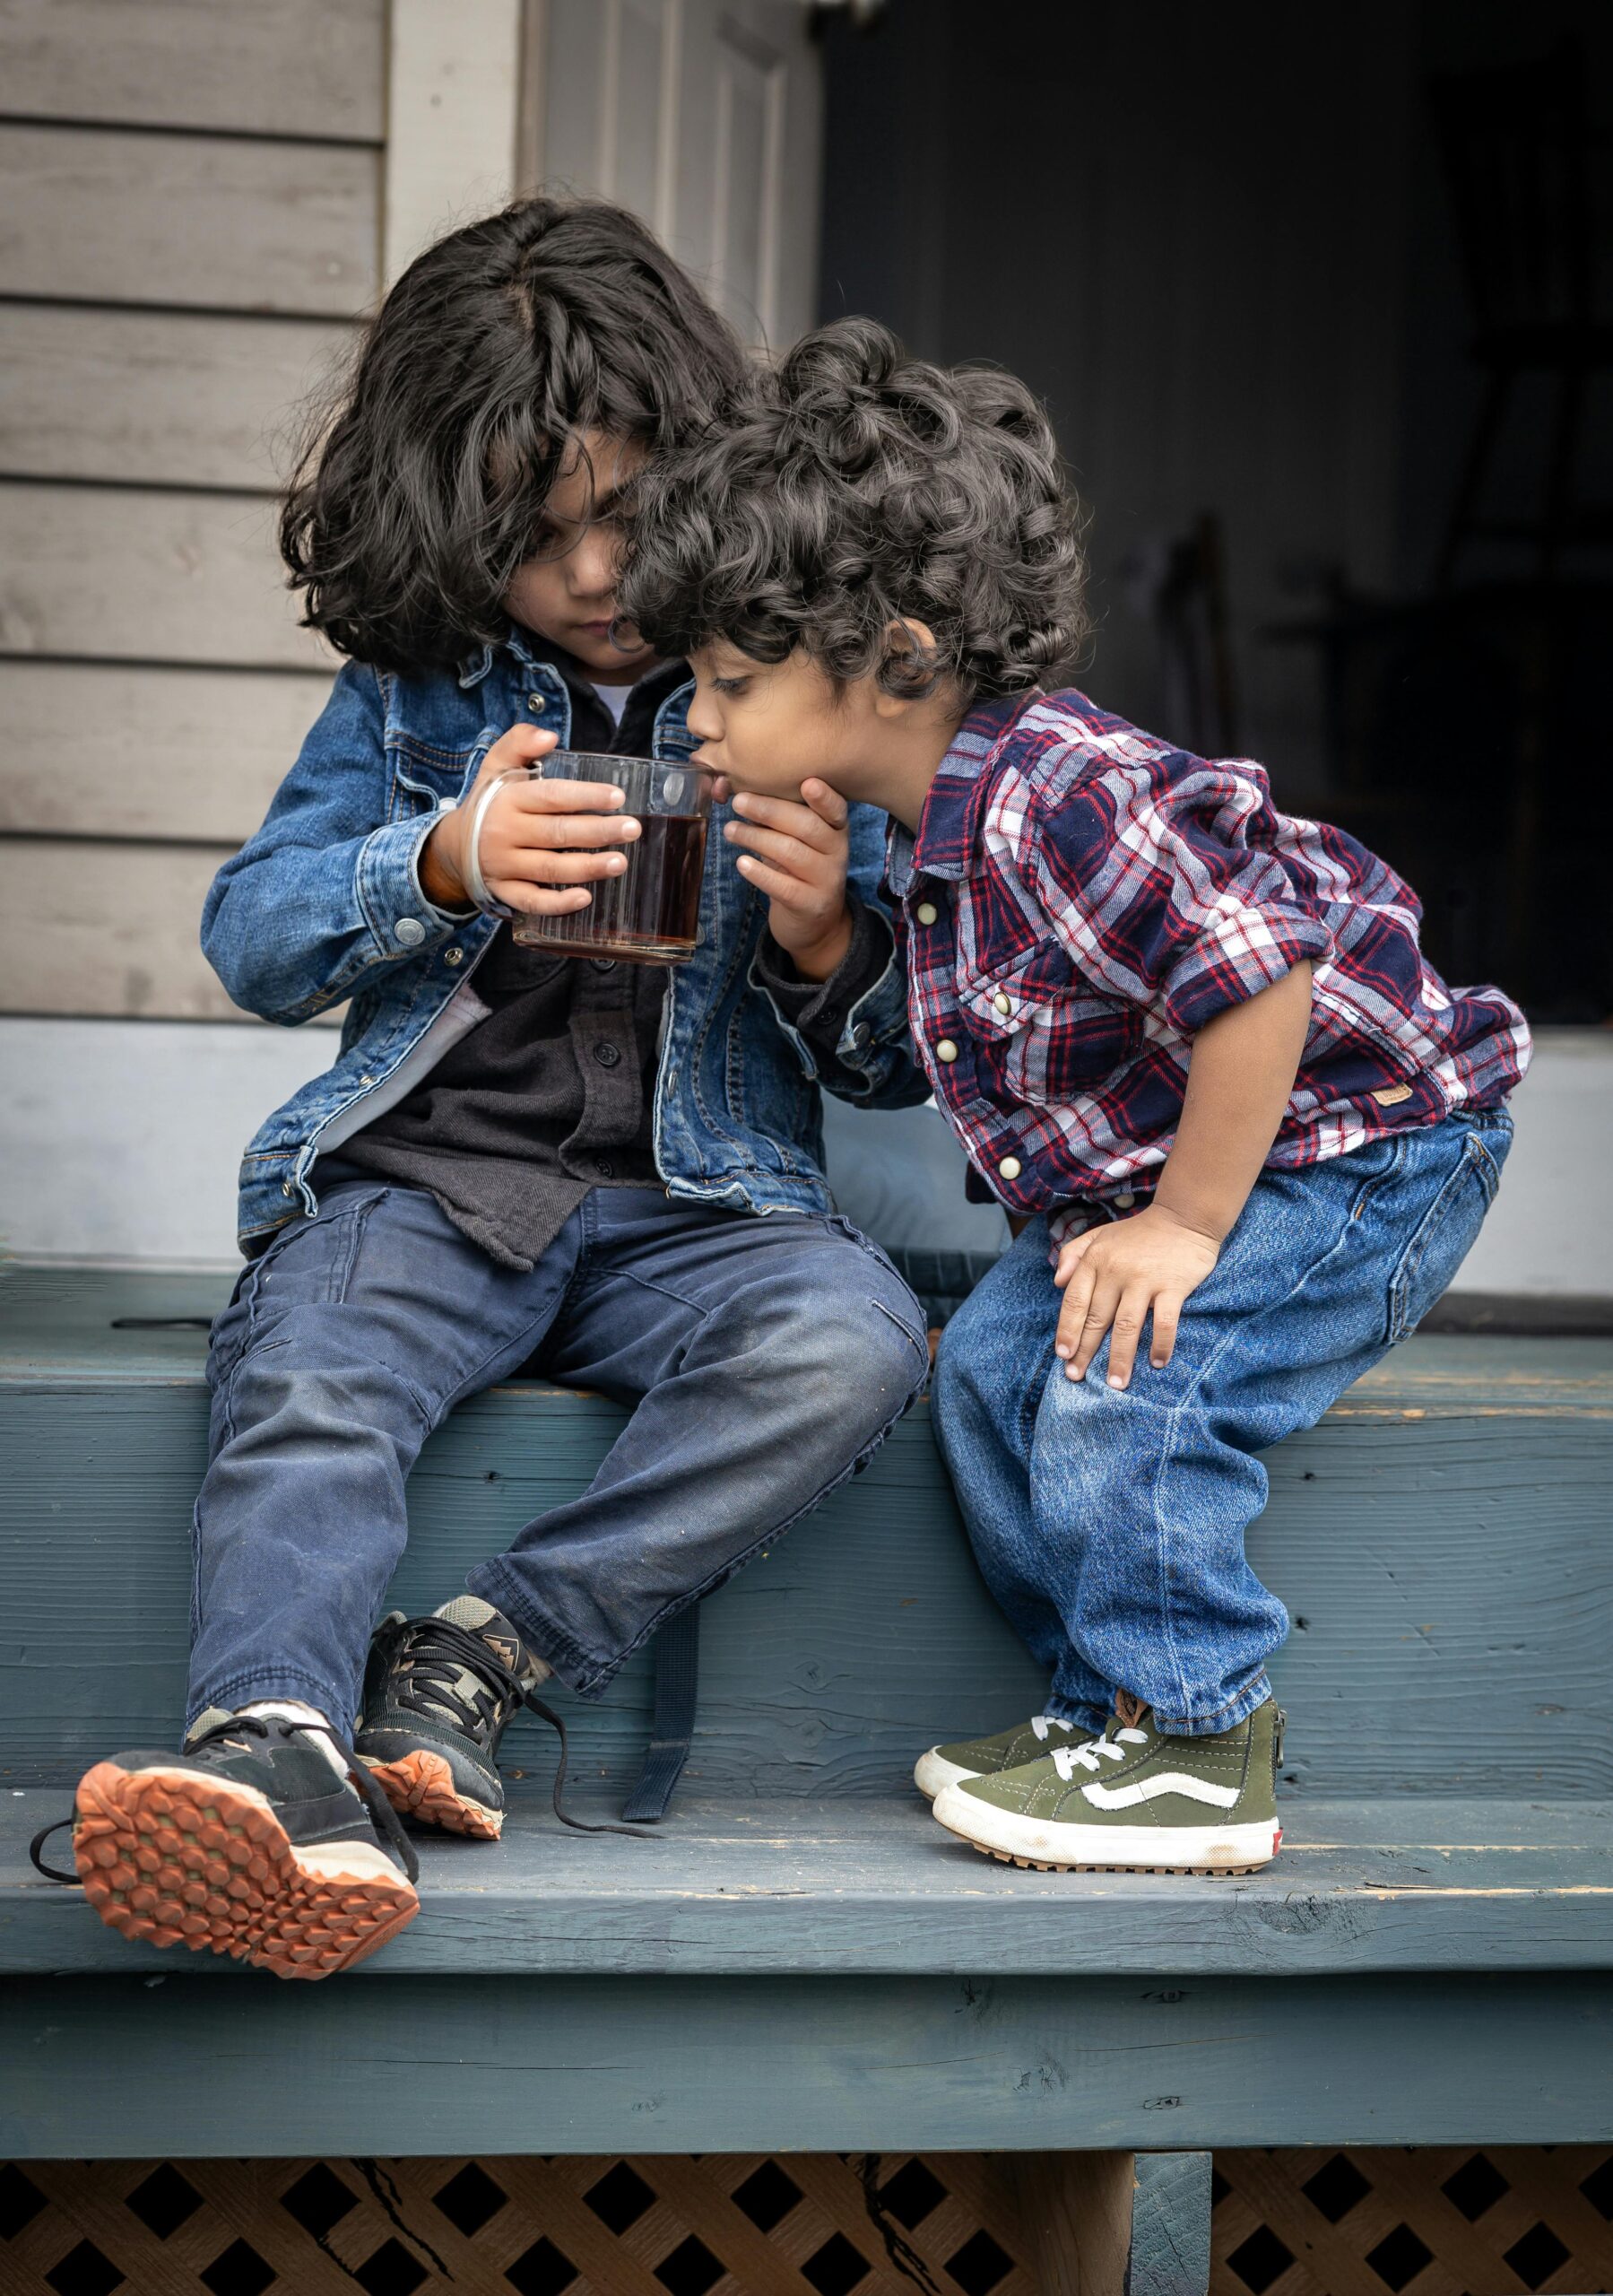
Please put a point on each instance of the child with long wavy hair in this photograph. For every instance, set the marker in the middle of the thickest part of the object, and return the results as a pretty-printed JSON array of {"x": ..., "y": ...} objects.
[{"x": 516, "y": 1155}]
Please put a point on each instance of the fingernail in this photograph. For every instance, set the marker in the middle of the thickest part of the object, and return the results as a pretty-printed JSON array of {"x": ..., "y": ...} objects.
[
  {"x": 1114, "y": 1382},
  {"x": 1063, "y": 1353}
]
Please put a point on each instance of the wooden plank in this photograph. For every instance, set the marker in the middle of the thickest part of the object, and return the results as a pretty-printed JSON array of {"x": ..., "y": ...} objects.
[
  {"x": 1423, "y": 1621},
  {"x": 453, "y": 96},
  {"x": 97, "y": 214},
  {"x": 787, "y": 1886},
  {"x": 1170, "y": 2225},
  {"x": 177, "y": 753},
  {"x": 89, "y": 928},
  {"x": 58, "y": 1330},
  {"x": 295, "y": 67},
  {"x": 1117, "y": 2223},
  {"x": 834, "y": 2064},
  {"x": 148, "y": 398},
  {"x": 1078, "y": 2209},
  {"x": 125, "y": 574}
]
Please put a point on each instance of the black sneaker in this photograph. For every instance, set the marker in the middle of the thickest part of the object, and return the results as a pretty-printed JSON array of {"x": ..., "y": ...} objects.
[
  {"x": 246, "y": 1844},
  {"x": 439, "y": 1693}
]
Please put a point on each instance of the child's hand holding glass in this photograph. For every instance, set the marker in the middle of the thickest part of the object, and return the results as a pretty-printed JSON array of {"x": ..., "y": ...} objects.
[
  {"x": 543, "y": 842},
  {"x": 797, "y": 855}
]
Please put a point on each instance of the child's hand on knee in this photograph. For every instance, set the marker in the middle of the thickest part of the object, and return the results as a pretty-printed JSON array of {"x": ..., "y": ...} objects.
[
  {"x": 1114, "y": 1277},
  {"x": 798, "y": 857}
]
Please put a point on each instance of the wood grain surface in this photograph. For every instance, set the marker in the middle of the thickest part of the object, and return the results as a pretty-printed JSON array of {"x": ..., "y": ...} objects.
[
  {"x": 133, "y": 574},
  {"x": 109, "y": 929},
  {"x": 159, "y": 398},
  {"x": 300, "y": 67},
  {"x": 745, "y": 1888},
  {"x": 1445, "y": 1562},
  {"x": 112, "y": 750},
  {"x": 233, "y": 223},
  {"x": 113, "y": 2067}
]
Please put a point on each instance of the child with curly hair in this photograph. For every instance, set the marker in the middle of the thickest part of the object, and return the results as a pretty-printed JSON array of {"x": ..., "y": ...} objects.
[{"x": 1189, "y": 1042}]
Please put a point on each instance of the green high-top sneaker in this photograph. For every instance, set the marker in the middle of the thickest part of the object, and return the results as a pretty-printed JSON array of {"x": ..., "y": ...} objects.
[
  {"x": 985, "y": 1757},
  {"x": 1132, "y": 1801}
]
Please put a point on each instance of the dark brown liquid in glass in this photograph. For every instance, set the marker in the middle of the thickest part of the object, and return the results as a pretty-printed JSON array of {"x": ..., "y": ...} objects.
[{"x": 651, "y": 913}]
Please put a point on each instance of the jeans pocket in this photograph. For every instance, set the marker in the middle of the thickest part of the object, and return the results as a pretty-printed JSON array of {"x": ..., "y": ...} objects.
[
  {"x": 309, "y": 1262},
  {"x": 1444, "y": 1236},
  {"x": 901, "y": 1305}
]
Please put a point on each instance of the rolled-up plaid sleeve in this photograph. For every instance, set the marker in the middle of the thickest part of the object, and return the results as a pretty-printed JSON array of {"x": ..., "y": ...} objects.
[{"x": 1144, "y": 872}]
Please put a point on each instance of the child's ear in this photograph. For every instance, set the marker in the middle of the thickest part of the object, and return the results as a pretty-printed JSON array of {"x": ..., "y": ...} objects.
[{"x": 905, "y": 636}]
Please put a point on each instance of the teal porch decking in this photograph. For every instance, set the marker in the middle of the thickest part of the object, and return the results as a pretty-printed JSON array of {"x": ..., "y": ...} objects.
[{"x": 799, "y": 1959}]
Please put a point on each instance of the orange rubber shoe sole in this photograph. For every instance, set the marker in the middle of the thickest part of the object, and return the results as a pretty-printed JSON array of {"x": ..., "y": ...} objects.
[
  {"x": 420, "y": 1785},
  {"x": 177, "y": 1859}
]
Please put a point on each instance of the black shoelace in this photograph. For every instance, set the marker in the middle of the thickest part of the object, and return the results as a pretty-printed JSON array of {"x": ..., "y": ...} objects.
[
  {"x": 384, "y": 1817},
  {"x": 435, "y": 1651}
]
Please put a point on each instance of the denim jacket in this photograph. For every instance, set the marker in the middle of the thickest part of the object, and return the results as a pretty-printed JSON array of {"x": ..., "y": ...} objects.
[{"x": 325, "y": 904}]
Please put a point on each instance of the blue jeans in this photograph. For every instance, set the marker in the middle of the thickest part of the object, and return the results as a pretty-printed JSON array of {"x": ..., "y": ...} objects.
[
  {"x": 765, "y": 1360},
  {"x": 1110, "y": 1524}
]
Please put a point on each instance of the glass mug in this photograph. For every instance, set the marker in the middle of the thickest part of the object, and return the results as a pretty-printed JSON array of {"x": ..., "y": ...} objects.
[{"x": 650, "y": 914}]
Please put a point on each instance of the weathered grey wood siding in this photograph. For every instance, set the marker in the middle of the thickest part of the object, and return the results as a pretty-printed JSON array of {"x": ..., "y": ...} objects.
[{"x": 191, "y": 197}]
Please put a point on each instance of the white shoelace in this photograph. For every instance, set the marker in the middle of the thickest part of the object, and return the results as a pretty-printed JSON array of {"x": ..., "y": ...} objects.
[
  {"x": 1065, "y": 1758},
  {"x": 1042, "y": 1723}
]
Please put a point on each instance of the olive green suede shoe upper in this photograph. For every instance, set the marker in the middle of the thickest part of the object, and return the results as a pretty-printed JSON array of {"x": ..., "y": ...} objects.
[
  {"x": 1133, "y": 1776},
  {"x": 966, "y": 1758}
]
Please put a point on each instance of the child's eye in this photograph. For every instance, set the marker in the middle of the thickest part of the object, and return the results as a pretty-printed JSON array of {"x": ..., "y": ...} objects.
[{"x": 729, "y": 685}]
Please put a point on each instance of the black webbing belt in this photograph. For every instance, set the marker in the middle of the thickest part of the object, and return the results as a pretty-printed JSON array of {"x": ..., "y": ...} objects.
[{"x": 677, "y": 1685}]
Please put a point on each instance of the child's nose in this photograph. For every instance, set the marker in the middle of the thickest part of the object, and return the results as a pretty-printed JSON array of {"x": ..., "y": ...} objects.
[
  {"x": 594, "y": 565},
  {"x": 703, "y": 721}
]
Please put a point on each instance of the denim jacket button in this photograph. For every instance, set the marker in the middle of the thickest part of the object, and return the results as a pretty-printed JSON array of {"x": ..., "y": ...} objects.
[
  {"x": 945, "y": 1050},
  {"x": 287, "y": 1188},
  {"x": 861, "y": 1036},
  {"x": 1010, "y": 1168},
  {"x": 409, "y": 931},
  {"x": 537, "y": 703},
  {"x": 452, "y": 956},
  {"x": 926, "y": 912}
]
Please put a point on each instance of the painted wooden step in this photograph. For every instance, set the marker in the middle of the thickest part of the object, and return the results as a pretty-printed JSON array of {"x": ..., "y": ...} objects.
[
  {"x": 787, "y": 1888},
  {"x": 793, "y": 1976},
  {"x": 1440, "y": 1539}
]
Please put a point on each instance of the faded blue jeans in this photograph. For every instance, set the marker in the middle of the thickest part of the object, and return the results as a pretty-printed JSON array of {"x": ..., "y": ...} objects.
[
  {"x": 766, "y": 1359},
  {"x": 1109, "y": 1525}
]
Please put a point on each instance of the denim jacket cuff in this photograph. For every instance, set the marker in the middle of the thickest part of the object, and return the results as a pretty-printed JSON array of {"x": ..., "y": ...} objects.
[
  {"x": 401, "y": 919},
  {"x": 825, "y": 1028},
  {"x": 879, "y": 1018}
]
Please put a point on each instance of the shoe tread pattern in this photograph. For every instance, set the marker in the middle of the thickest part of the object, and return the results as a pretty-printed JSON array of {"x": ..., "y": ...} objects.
[
  {"x": 420, "y": 1786},
  {"x": 205, "y": 1863}
]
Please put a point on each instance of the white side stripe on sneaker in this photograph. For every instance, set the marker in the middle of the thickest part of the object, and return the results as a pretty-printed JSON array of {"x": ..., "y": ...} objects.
[{"x": 1149, "y": 1789}]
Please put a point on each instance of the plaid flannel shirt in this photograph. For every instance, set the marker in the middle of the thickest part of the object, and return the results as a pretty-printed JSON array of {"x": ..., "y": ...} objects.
[{"x": 1080, "y": 899}]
